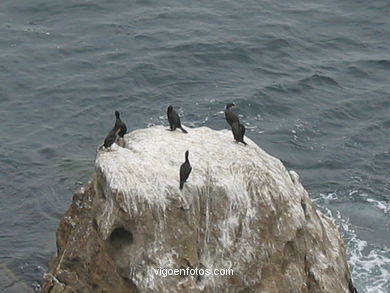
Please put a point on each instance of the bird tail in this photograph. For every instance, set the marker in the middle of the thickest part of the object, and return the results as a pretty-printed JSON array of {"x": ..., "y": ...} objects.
[
  {"x": 181, "y": 184},
  {"x": 182, "y": 129}
]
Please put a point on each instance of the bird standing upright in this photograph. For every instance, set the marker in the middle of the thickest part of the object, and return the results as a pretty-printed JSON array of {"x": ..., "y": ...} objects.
[
  {"x": 174, "y": 119},
  {"x": 185, "y": 170},
  {"x": 119, "y": 124},
  {"x": 230, "y": 116}
]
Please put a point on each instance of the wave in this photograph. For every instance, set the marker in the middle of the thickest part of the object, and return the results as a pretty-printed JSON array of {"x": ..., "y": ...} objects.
[{"x": 369, "y": 264}]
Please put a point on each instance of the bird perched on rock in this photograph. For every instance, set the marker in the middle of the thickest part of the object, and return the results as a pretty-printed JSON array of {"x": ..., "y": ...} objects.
[
  {"x": 238, "y": 129},
  {"x": 174, "y": 119},
  {"x": 230, "y": 116},
  {"x": 185, "y": 170},
  {"x": 238, "y": 132},
  {"x": 119, "y": 124},
  {"x": 111, "y": 138}
]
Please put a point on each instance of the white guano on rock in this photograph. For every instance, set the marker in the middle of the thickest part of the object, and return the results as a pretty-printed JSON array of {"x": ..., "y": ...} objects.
[{"x": 239, "y": 209}]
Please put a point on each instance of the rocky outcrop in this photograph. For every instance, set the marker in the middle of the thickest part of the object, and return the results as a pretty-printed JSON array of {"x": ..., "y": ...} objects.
[{"x": 240, "y": 209}]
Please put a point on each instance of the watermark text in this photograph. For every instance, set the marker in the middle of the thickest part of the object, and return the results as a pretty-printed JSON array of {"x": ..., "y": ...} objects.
[{"x": 165, "y": 272}]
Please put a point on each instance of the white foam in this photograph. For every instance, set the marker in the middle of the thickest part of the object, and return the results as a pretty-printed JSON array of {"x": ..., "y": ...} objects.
[
  {"x": 370, "y": 265},
  {"x": 382, "y": 205}
]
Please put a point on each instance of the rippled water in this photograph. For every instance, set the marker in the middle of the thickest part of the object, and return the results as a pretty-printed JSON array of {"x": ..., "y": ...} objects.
[{"x": 311, "y": 80}]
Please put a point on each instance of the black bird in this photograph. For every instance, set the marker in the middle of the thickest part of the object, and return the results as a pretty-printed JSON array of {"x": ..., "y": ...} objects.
[
  {"x": 174, "y": 119},
  {"x": 242, "y": 127},
  {"x": 111, "y": 138},
  {"x": 229, "y": 115},
  {"x": 185, "y": 170},
  {"x": 119, "y": 124},
  {"x": 238, "y": 132}
]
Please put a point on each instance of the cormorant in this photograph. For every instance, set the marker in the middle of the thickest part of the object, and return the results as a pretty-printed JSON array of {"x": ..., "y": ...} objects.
[
  {"x": 111, "y": 138},
  {"x": 174, "y": 119},
  {"x": 185, "y": 170},
  {"x": 229, "y": 114},
  {"x": 119, "y": 124},
  {"x": 238, "y": 132}
]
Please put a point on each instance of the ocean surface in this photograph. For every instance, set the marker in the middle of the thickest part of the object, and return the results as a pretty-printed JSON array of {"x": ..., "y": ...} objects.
[{"x": 311, "y": 79}]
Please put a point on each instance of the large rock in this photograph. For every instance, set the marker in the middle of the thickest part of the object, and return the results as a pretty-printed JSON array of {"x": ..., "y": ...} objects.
[{"x": 240, "y": 209}]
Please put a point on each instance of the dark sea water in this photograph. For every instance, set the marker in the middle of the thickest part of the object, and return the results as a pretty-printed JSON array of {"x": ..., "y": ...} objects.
[{"x": 311, "y": 80}]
